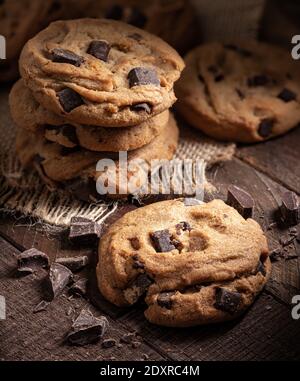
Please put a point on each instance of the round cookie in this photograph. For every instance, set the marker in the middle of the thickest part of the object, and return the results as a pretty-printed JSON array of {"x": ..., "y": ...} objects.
[
  {"x": 27, "y": 113},
  {"x": 75, "y": 169},
  {"x": 245, "y": 93},
  {"x": 100, "y": 72},
  {"x": 194, "y": 263}
]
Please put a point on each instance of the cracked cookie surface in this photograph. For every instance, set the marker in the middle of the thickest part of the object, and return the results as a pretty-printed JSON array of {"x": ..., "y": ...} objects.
[
  {"x": 194, "y": 264},
  {"x": 246, "y": 92},
  {"x": 99, "y": 72},
  {"x": 27, "y": 113}
]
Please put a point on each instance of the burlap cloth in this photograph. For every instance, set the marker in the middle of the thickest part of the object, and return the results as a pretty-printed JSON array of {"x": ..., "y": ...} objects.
[{"x": 23, "y": 191}]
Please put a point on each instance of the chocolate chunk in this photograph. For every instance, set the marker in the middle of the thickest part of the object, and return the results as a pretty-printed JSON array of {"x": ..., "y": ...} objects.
[
  {"x": 290, "y": 208},
  {"x": 114, "y": 13},
  {"x": 84, "y": 231},
  {"x": 192, "y": 201},
  {"x": 70, "y": 133},
  {"x": 135, "y": 36},
  {"x": 69, "y": 99},
  {"x": 137, "y": 18},
  {"x": 261, "y": 268},
  {"x": 137, "y": 288},
  {"x": 135, "y": 243},
  {"x": 265, "y": 127},
  {"x": 74, "y": 263},
  {"x": 66, "y": 56},
  {"x": 42, "y": 306},
  {"x": 164, "y": 300},
  {"x": 143, "y": 76},
  {"x": 287, "y": 95},
  {"x": 142, "y": 107},
  {"x": 240, "y": 200},
  {"x": 240, "y": 94},
  {"x": 258, "y": 80},
  {"x": 162, "y": 241},
  {"x": 79, "y": 288},
  {"x": 87, "y": 329},
  {"x": 108, "y": 343},
  {"x": 99, "y": 49},
  {"x": 219, "y": 78},
  {"x": 58, "y": 278},
  {"x": 227, "y": 300},
  {"x": 31, "y": 260},
  {"x": 184, "y": 226}
]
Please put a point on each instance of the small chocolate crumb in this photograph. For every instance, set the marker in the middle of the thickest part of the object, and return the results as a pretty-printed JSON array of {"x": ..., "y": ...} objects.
[{"x": 128, "y": 338}]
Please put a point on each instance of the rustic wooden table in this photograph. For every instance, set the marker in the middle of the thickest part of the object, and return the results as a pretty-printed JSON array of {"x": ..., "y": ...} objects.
[{"x": 266, "y": 332}]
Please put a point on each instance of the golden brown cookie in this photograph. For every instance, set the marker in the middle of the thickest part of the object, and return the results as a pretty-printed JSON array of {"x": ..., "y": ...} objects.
[
  {"x": 193, "y": 263},
  {"x": 100, "y": 72},
  {"x": 245, "y": 93}
]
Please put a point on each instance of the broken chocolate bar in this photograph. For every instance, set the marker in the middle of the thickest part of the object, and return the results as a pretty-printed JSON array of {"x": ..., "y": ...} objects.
[
  {"x": 79, "y": 288},
  {"x": 31, "y": 260},
  {"x": 240, "y": 200},
  {"x": 87, "y": 329},
  {"x": 74, "y": 263},
  {"x": 162, "y": 241},
  {"x": 84, "y": 231},
  {"x": 66, "y": 56},
  {"x": 143, "y": 76},
  {"x": 227, "y": 300},
  {"x": 290, "y": 208},
  {"x": 58, "y": 278}
]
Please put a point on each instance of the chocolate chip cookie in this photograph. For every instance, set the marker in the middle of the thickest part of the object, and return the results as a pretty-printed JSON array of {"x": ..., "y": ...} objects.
[
  {"x": 246, "y": 93},
  {"x": 74, "y": 169},
  {"x": 100, "y": 72},
  {"x": 29, "y": 114},
  {"x": 193, "y": 263}
]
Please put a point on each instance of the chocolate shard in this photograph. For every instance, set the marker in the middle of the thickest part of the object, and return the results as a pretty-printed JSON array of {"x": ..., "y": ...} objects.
[
  {"x": 108, "y": 343},
  {"x": 287, "y": 95},
  {"x": 164, "y": 300},
  {"x": 79, "y": 288},
  {"x": 84, "y": 231},
  {"x": 69, "y": 99},
  {"x": 58, "y": 278},
  {"x": 261, "y": 269},
  {"x": 162, "y": 241},
  {"x": 265, "y": 127},
  {"x": 42, "y": 306},
  {"x": 192, "y": 201},
  {"x": 141, "y": 107},
  {"x": 137, "y": 289},
  {"x": 74, "y": 263},
  {"x": 227, "y": 300},
  {"x": 240, "y": 200},
  {"x": 290, "y": 208},
  {"x": 99, "y": 49},
  {"x": 137, "y": 18},
  {"x": 143, "y": 76},
  {"x": 32, "y": 260},
  {"x": 69, "y": 131},
  {"x": 258, "y": 80},
  {"x": 66, "y": 56},
  {"x": 87, "y": 329}
]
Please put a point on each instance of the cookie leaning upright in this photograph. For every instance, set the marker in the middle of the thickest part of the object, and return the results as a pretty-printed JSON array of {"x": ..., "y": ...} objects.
[
  {"x": 246, "y": 92},
  {"x": 100, "y": 72},
  {"x": 194, "y": 263}
]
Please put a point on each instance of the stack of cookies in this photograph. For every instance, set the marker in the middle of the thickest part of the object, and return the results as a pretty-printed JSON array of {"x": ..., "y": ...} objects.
[{"x": 89, "y": 89}]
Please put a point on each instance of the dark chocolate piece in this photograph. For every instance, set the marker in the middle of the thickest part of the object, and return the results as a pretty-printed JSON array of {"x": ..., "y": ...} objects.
[
  {"x": 74, "y": 263},
  {"x": 58, "y": 278},
  {"x": 164, "y": 300},
  {"x": 84, "y": 231},
  {"x": 69, "y": 132},
  {"x": 290, "y": 208},
  {"x": 240, "y": 200},
  {"x": 143, "y": 76},
  {"x": 227, "y": 300},
  {"x": 79, "y": 288},
  {"x": 137, "y": 288},
  {"x": 66, "y": 56},
  {"x": 265, "y": 127},
  {"x": 162, "y": 241},
  {"x": 287, "y": 95},
  {"x": 99, "y": 49},
  {"x": 69, "y": 99},
  {"x": 137, "y": 18},
  {"x": 141, "y": 107},
  {"x": 261, "y": 268},
  {"x": 42, "y": 306},
  {"x": 258, "y": 80},
  {"x": 87, "y": 329},
  {"x": 108, "y": 343},
  {"x": 192, "y": 201},
  {"x": 32, "y": 260}
]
